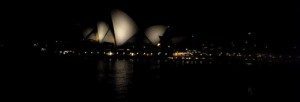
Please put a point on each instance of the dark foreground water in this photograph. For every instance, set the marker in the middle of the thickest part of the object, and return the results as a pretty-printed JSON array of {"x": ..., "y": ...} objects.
[{"x": 120, "y": 80}]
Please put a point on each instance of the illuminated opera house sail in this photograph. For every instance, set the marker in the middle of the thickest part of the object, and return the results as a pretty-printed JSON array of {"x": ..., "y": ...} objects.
[
  {"x": 122, "y": 30},
  {"x": 154, "y": 32}
]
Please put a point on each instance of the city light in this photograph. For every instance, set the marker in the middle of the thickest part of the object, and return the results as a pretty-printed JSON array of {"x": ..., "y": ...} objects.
[
  {"x": 132, "y": 54},
  {"x": 158, "y": 44},
  {"x": 177, "y": 54},
  {"x": 43, "y": 49},
  {"x": 110, "y": 53},
  {"x": 206, "y": 52}
]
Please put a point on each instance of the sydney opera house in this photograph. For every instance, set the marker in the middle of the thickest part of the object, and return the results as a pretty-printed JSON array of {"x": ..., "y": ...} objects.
[
  {"x": 121, "y": 37},
  {"x": 122, "y": 29}
]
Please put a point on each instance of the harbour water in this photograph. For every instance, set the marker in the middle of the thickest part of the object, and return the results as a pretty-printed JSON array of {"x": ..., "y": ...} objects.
[{"x": 150, "y": 80}]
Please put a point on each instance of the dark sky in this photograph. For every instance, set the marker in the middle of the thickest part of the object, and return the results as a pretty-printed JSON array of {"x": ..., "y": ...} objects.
[{"x": 211, "y": 19}]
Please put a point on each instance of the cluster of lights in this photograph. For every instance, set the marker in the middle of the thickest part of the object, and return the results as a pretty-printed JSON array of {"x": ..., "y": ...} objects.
[
  {"x": 109, "y": 53},
  {"x": 67, "y": 52},
  {"x": 35, "y": 44},
  {"x": 43, "y": 49},
  {"x": 132, "y": 54},
  {"x": 186, "y": 54}
]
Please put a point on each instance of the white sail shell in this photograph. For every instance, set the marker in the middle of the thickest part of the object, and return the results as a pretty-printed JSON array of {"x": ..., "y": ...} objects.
[
  {"x": 102, "y": 29},
  {"x": 87, "y": 31},
  {"x": 109, "y": 37},
  {"x": 124, "y": 27},
  {"x": 154, "y": 32}
]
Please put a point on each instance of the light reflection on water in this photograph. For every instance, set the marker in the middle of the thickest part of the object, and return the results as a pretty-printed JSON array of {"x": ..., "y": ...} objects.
[
  {"x": 119, "y": 73},
  {"x": 162, "y": 75},
  {"x": 122, "y": 74}
]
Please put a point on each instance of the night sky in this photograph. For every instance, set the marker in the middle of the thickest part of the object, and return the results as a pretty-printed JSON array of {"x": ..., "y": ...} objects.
[{"x": 211, "y": 19}]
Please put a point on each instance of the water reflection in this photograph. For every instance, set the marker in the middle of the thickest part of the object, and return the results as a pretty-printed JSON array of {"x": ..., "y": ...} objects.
[
  {"x": 122, "y": 72},
  {"x": 160, "y": 78},
  {"x": 101, "y": 70},
  {"x": 118, "y": 73},
  {"x": 250, "y": 91}
]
